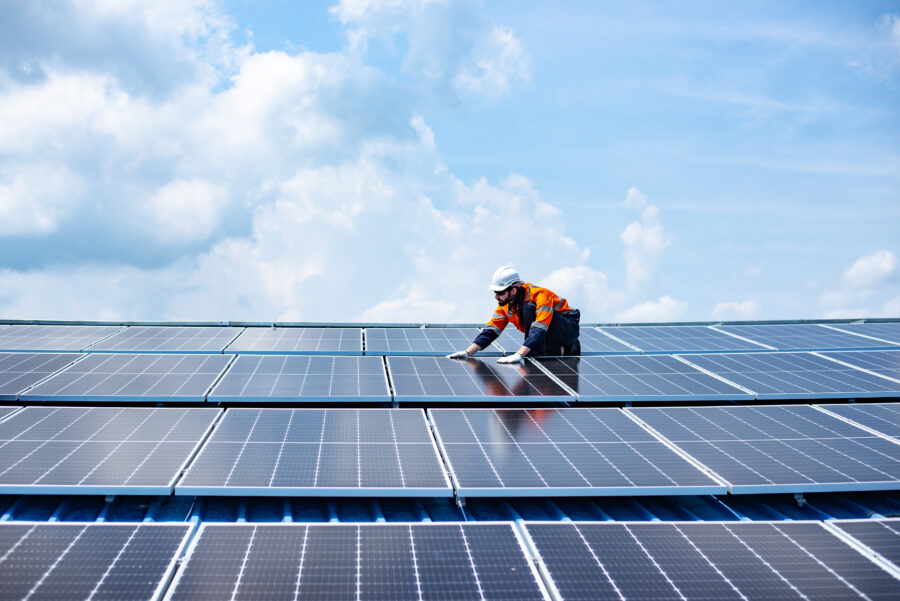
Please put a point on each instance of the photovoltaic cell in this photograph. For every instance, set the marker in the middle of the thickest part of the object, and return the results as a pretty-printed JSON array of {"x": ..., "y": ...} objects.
[
  {"x": 110, "y": 377},
  {"x": 419, "y": 341},
  {"x": 795, "y": 376},
  {"x": 593, "y": 342},
  {"x": 589, "y": 561},
  {"x": 168, "y": 339},
  {"x": 881, "y": 536},
  {"x": 680, "y": 339},
  {"x": 804, "y": 337},
  {"x": 98, "y": 450},
  {"x": 639, "y": 378},
  {"x": 779, "y": 448},
  {"x": 318, "y": 452},
  {"x": 303, "y": 378},
  {"x": 560, "y": 452},
  {"x": 92, "y": 561},
  {"x": 300, "y": 341},
  {"x": 885, "y": 363},
  {"x": 368, "y": 562},
  {"x": 7, "y": 411},
  {"x": 18, "y": 371},
  {"x": 52, "y": 338},
  {"x": 449, "y": 380},
  {"x": 881, "y": 417},
  {"x": 889, "y": 331}
]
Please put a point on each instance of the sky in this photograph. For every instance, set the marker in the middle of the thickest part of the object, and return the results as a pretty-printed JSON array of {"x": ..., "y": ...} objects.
[{"x": 378, "y": 160}]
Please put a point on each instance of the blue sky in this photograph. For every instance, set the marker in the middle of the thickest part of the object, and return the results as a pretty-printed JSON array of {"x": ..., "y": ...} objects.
[{"x": 377, "y": 159}]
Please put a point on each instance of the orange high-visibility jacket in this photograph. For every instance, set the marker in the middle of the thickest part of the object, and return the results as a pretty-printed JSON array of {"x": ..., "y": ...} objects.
[{"x": 546, "y": 302}]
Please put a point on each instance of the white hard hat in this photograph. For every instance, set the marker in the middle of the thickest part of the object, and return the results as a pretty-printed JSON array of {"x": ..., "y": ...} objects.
[{"x": 504, "y": 278}]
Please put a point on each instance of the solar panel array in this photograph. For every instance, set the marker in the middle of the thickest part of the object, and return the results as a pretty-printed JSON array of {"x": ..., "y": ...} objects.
[
  {"x": 639, "y": 378},
  {"x": 18, "y": 371},
  {"x": 168, "y": 339},
  {"x": 881, "y": 417},
  {"x": 302, "y": 341},
  {"x": 885, "y": 363},
  {"x": 349, "y": 452},
  {"x": 7, "y": 411},
  {"x": 779, "y": 448},
  {"x": 52, "y": 338},
  {"x": 889, "y": 331},
  {"x": 446, "y": 380},
  {"x": 795, "y": 376},
  {"x": 294, "y": 378},
  {"x": 122, "y": 561},
  {"x": 115, "y": 377},
  {"x": 680, "y": 339},
  {"x": 804, "y": 337},
  {"x": 881, "y": 536},
  {"x": 420, "y": 341},
  {"x": 358, "y": 561},
  {"x": 682, "y": 561},
  {"x": 98, "y": 450},
  {"x": 498, "y": 452}
]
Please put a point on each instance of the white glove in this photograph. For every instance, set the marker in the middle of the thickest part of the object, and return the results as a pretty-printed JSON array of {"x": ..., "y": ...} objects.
[
  {"x": 459, "y": 355},
  {"x": 514, "y": 358}
]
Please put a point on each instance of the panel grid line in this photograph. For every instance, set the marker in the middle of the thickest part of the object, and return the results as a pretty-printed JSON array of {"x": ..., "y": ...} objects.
[
  {"x": 397, "y": 450},
  {"x": 710, "y": 563},
  {"x": 243, "y": 448},
  {"x": 465, "y": 541},
  {"x": 599, "y": 563},
  {"x": 240, "y": 574},
  {"x": 597, "y": 450},
  {"x": 119, "y": 446},
  {"x": 415, "y": 563},
  {"x": 300, "y": 563},
  {"x": 481, "y": 446},
  {"x": 637, "y": 452},
  {"x": 655, "y": 563},
  {"x": 281, "y": 448},
  {"x": 762, "y": 560},
  {"x": 112, "y": 564},
  {"x": 527, "y": 458},
  {"x": 52, "y": 567}
]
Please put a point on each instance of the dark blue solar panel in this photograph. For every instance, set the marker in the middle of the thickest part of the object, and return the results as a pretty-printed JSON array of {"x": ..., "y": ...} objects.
[
  {"x": 168, "y": 339},
  {"x": 889, "y": 331},
  {"x": 881, "y": 417},
  {"x": 727, "y": 560},
  {"x": 639, "y": 378},
  {"x": 293, "y": 378},
  {"x": 52, "y": 338},
  {"x": 804, "y": 337},
  {"x": 559, "y": 452},
  {"x": 420, "y": 341},
  {"x": 301, "y": 341},
  {"x": 319, "y": 452},
  {"x": 684, "y": 339},
  {"x": 795, "y": 376},
  {"x": 72, "y": 560},
  {"x": 7, "y": 411},
  {"x": 448, "y": 380},
  {"x": 885, "y": 363},
  {"x": 881, "y": 536},
  {"x": 593, "y": 342},
  {"x": 98, "y": 450},
  {"x": 377, "y": 562},
  {"x": 18, "y": 371},
  {"x": 779, "y": 448}
]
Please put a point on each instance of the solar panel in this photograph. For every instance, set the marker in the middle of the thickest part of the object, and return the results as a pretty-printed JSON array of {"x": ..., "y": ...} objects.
[
  {"x": 438, "y": 380},
  {"x": 704, "y": 560},
  {"x": 18, "y": 371},
  {"x": 804, "y": 337},
  {"x": 52, "y": 338},
  {"x": 881, "y": 536},
  {"x": 93, "y": 561},
  {"x": 167, "y": 339},
  {"x": 98, "y": 450},
  {"x": 680, "y": 339},
  {"x": 293, "y": 378},
  {"x": 397, "y": 562},
  {"x": 300, "y": 341},
  {"x": 420, "y": 341},
  {"x": 779, "y": 448},
  {"x": 885, "y": 363},
  {"x": 560, "y": 452},
  {"x": 593, "y": 342},
  {"x": 889, "y": 331},
  {"x": 795, "y": 376},
  {"x": 7, "y": 411},
  {"x": 881, "y": 417},
  {"x": 319, "y": 452},
  {"x": 639, "y": 378},
  {"x": 109, "y": 377}
]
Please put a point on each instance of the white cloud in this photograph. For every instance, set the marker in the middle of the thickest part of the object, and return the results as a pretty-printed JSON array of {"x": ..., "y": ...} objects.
[
  {"x": 861, "y": 286},
  {"x": 737, "y": 310},
  {"x": 36, "y": 197},
  {"x": 664, "y": 309},
  {"x": 892, "y": 22},
  {"x": 891, "y": 308},
  {"x": 587, "y": 290},
  {"x": 186, "y": 210},
  {"x": 870, "y": 270},
  {"x": 644, "y": 242}
]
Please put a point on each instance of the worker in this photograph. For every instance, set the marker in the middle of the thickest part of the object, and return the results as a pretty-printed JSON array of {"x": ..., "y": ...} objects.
[{"x": 549, "y": 324}]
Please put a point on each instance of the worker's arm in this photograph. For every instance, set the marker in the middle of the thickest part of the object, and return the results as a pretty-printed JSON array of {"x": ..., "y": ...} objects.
[{"x": 517, "y": 357}]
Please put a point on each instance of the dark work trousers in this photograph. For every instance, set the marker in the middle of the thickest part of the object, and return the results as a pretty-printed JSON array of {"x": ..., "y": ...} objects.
[{"x": 562, "y": 336}]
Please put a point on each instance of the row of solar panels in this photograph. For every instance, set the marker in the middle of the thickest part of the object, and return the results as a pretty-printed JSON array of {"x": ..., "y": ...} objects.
[
  {"x": 442, "y": 340},
  {"x": 499, "y": 561},
  {"x": 110, "y": 377},
  {"x": 487, "y": 452}
]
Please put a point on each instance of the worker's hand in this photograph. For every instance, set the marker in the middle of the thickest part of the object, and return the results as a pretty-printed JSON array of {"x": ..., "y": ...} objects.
[
  {"x": 510, "y": 359},
  {"x": 458, "y": 355}
]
